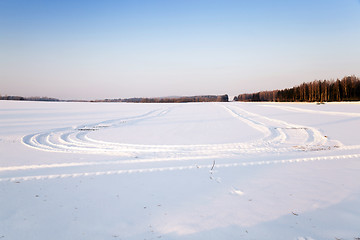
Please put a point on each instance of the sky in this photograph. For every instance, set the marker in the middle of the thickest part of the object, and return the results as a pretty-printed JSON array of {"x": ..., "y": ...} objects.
[{"x": 120, "y": 49}]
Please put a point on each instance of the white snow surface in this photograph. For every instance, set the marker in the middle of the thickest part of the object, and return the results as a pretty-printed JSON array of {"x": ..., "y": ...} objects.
[{"x": 179, "y": 171}]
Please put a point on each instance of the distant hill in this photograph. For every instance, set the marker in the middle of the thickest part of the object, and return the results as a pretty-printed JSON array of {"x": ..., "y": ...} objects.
[{"x": 346, "y": 89}]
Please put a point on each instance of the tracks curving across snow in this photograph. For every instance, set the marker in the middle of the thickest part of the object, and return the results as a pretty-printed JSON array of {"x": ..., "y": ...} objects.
[
  {"x": 278, "y": 137},
  {"x": 278, "y": 133}
]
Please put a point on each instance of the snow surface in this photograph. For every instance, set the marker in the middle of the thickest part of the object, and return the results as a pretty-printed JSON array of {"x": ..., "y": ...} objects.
[{"x": 179, "y": 171}]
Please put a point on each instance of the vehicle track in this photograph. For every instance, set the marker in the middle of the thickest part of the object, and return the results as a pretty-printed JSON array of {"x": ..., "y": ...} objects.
[
  {"x": 152, "y": 169},
  {"x": 278, "y": 137},
  {"x": 295, "y": 109}
]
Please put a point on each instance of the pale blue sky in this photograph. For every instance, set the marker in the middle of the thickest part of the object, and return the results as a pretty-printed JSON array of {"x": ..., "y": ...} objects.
[{"x": 119, "y": 49}]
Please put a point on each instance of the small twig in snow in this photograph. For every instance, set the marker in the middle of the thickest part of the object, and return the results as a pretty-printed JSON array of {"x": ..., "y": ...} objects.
[{"x": 213, "y": 165}]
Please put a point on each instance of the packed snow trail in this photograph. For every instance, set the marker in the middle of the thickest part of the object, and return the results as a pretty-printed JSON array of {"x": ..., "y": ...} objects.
[
  {"x": 278, "y": 136},
  {"x": 98, "y": 165}
]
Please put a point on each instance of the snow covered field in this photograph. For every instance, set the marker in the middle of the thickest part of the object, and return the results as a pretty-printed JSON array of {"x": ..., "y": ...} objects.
[{"x": 179, "y": 171}]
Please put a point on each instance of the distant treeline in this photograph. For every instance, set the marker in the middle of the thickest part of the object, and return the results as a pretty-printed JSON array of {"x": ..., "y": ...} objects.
[
  {"x": 19, "y": 98},
  {"x": 346, "y": 89},
  {"x": 206, "y": 98}
]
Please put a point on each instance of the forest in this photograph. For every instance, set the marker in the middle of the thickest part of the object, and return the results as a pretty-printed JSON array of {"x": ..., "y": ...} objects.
[{"x": 346, "y": 89}]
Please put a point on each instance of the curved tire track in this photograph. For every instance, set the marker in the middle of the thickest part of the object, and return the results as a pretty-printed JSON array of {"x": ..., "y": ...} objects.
[{"x": 278, "y": 137}]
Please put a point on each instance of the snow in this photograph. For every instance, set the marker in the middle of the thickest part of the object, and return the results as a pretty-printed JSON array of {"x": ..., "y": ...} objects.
[{"x": 179, "y": 171}]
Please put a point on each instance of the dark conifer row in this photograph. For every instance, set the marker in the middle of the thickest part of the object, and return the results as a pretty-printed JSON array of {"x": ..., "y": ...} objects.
[
  {"x": 346, "y": 89},
  {"x": 19, "y": 98},
  {"x": 205, "y": 98}
]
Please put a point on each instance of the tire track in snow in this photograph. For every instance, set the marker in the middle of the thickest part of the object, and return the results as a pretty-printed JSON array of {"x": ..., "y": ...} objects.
[
  {"x": 295, "y": 109},
  {"x": 279, "y": 137},
  {"x": 173, "y": 168},
  {"x": 281, "y": 133},
  {"x": 83, "y": 144},
  {"x": 59, "y": 140},
  {"x": 76, "y": 139}
]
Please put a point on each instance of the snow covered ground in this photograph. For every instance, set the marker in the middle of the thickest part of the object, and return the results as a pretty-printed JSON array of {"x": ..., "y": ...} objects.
[{"x": 179, "y": 171}]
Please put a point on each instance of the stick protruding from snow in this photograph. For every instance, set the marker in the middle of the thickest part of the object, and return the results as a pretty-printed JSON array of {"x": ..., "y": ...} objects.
[{"x": 212, "y": 168}]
